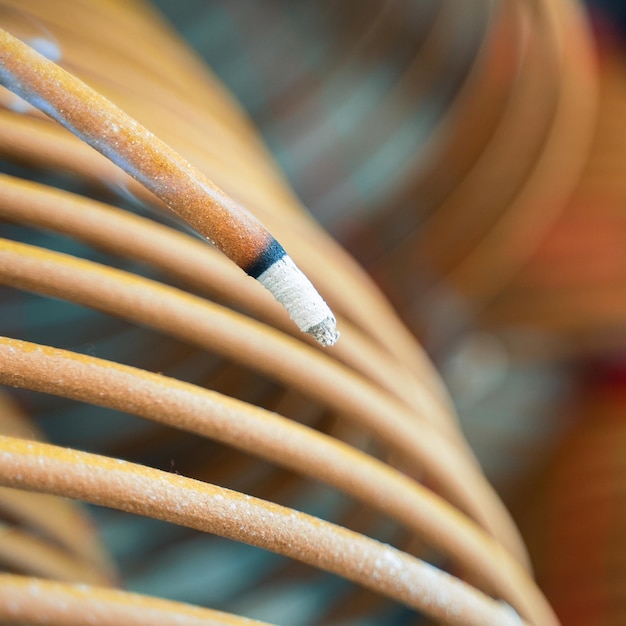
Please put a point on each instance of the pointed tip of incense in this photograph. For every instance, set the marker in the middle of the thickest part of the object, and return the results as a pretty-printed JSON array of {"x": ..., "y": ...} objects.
[
  {"x": 305, "y": 305},
  {"x": 325, "y": 332}
]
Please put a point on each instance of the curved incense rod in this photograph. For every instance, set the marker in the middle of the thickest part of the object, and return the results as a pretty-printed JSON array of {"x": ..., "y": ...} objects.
[
  {"x": 126, "y": 234},
  {"x": 56, "y": 520},
  {"x": 24, "y": 552},
  {"x": 36, "y": 601},
  {"x": 447, "y": 462},
  {"x": 45, "y": 144},
  {"x": 186, "y": 191},
  {"x": 186, "y": 502},
  {"x": 535, "y": 206},
  {"x": 277, "y": 440}
]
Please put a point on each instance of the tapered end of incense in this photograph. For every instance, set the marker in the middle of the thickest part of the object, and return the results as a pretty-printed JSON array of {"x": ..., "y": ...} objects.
[
  {"x": 325, "y": 332},
  {"x": 304, "y": 304}
]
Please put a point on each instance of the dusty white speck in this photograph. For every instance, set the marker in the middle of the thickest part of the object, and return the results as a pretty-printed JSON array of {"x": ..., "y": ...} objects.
[
  {"x": 34, "y": 589},
  {"x": 393, "y": 559},
  {"x": 511, "y": 613}
]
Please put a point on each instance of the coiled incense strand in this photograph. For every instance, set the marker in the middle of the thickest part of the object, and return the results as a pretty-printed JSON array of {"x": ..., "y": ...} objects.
[{"x": 183, "y": 189}]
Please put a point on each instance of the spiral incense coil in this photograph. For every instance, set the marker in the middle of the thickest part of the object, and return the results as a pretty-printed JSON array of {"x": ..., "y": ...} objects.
[
  {"x": 505, "y": 160},
  {"x": 174, "y": 388},
  {"x": 573, "y": 285}
]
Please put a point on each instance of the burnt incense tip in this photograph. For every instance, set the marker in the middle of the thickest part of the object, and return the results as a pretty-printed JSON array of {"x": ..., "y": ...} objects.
[
  {"x": 325, "y": 333},
  {"x": 304, "y": 304}
]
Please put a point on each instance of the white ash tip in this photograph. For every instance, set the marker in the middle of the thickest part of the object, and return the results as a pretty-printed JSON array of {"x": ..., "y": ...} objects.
[
  {"x": 305, "y": 305},
  {"x": 325, "y": 332}
]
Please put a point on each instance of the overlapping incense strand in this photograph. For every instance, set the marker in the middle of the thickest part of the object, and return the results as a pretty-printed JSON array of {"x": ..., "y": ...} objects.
[{"x": 182, "y": 188}]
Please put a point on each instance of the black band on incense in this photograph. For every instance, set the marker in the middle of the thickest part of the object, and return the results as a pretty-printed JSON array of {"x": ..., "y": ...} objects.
[{"x": 272, "y": 253}]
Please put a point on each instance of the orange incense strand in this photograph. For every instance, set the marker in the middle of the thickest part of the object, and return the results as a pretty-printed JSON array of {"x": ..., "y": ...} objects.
[{"x": 183, "y": 189}]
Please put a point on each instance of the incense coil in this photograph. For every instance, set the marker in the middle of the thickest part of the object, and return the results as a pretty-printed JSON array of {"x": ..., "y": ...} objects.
[
  {"x": 572, "y": 285},
  {"x": 391, "y": 419},
  {"x": 505, "y": 163},
  {"x": 583, "y": 480}
]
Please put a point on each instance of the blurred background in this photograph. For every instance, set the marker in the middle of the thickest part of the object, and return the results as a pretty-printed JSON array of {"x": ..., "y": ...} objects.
[{"x": 472, "y": 158}]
